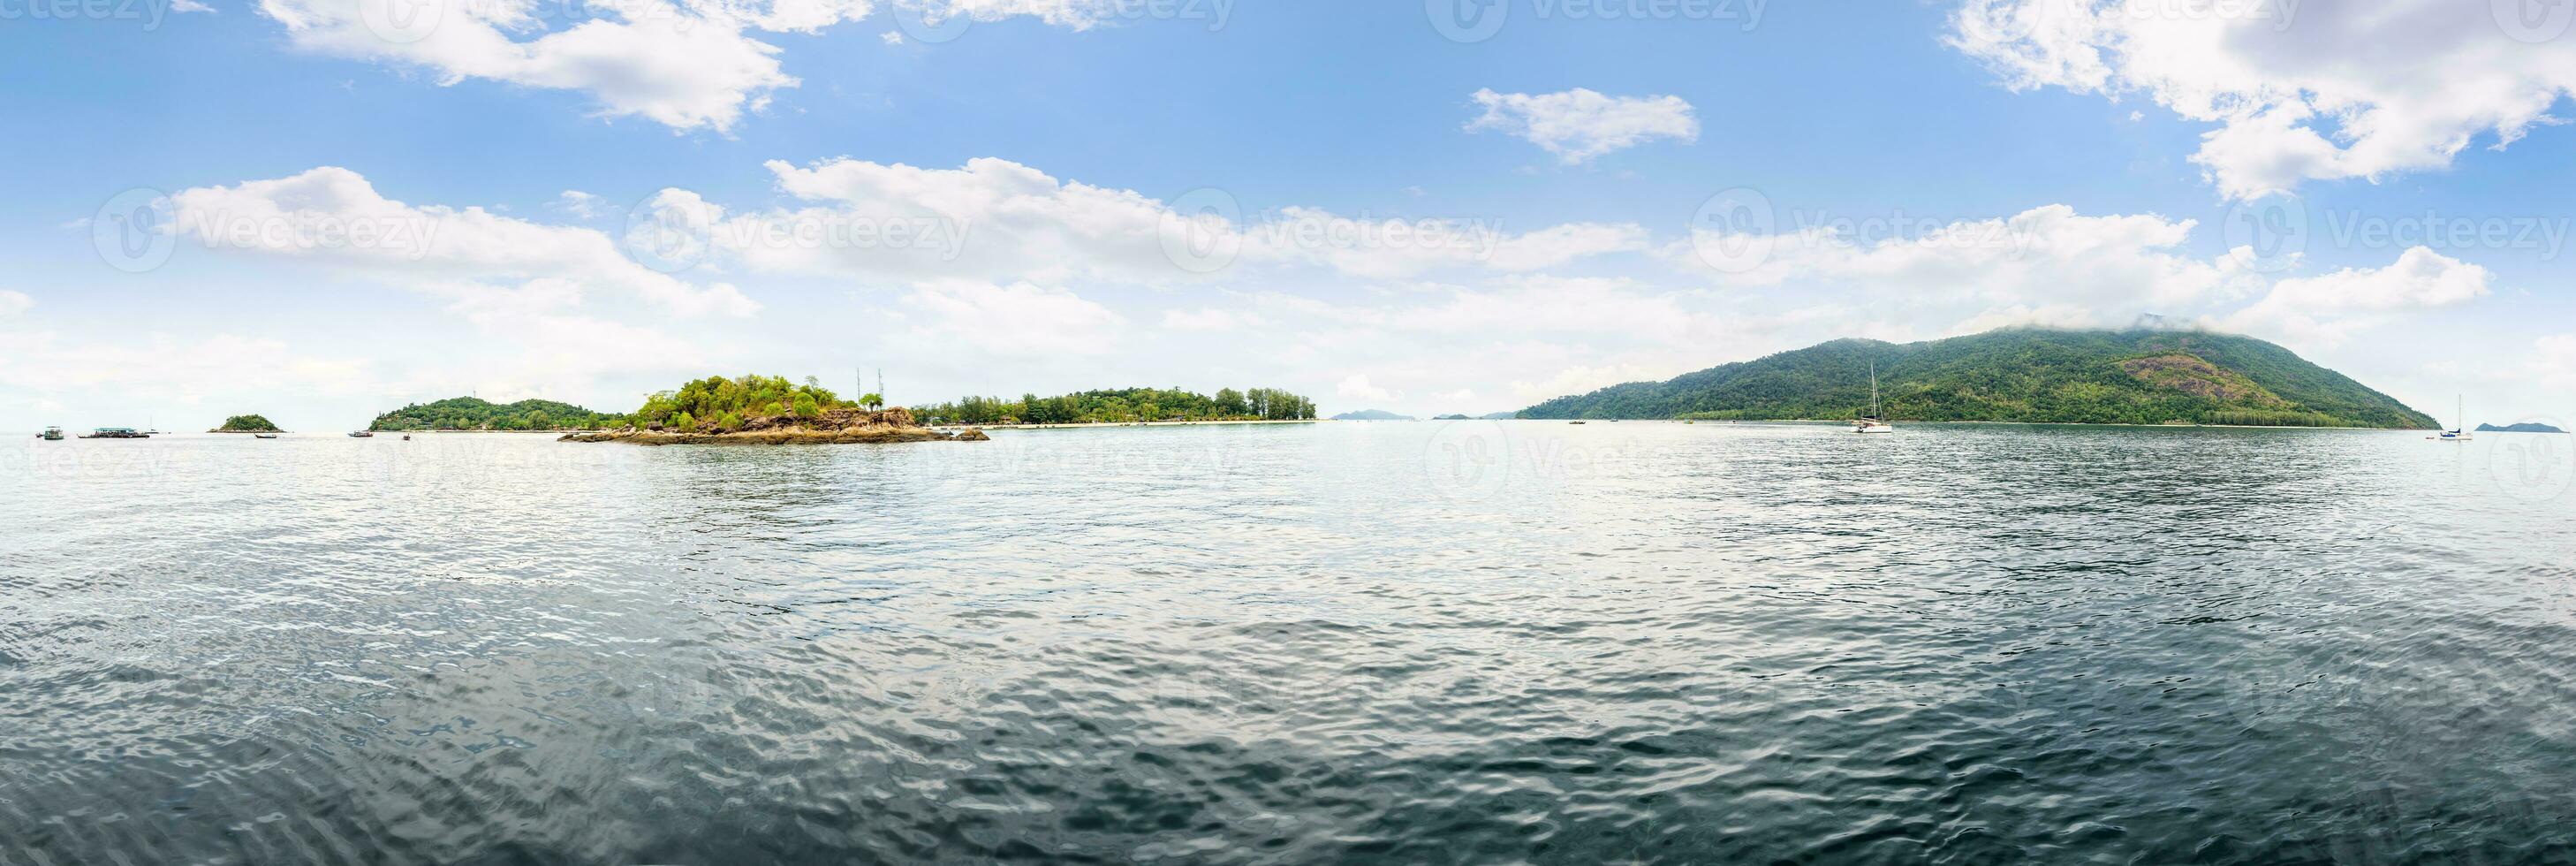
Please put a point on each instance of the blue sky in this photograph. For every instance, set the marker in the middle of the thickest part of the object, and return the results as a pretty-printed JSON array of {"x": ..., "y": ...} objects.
[{"x": 1920, "y": 170}]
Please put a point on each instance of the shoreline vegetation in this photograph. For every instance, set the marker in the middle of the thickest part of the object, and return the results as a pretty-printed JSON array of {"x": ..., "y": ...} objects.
[
  {"x": 462, "y": 414},
  {"x": 1122, "y": 407},
  {"x": 247, "y": 424},
  {"x": 767, "y": 410}
]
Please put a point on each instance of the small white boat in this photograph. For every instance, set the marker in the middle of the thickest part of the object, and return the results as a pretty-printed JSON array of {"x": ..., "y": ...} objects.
[
  {"x": 2459, "y": 433},
  {"x": 1871, "y": 422}
]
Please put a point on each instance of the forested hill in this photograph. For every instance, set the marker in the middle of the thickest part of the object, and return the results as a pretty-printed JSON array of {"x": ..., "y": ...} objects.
[
  {"x": 468, "y": 413},
  {"x": 2027, "y": 375}
]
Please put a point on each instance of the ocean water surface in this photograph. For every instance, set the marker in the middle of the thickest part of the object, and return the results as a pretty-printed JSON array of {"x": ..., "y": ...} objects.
[{"x": 1466, "y": 642}]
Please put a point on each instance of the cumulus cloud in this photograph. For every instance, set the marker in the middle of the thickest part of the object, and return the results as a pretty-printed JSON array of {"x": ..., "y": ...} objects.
[
  {"x": 998, "y": 220},
  {"x": 13, "y": 303},
  {"x": 2297, "y": 91},
  {"x": 1020, "y": 320},
  {"x": 1205, "y": 319},
  {"x": 2325, "y": 309},
  {"x": 336, "y": 218},
  {"x": 2050, "y": 255},
  {"x": 686, "y": 64},
  {"x": 1578, "y": 125},
  {"x": 1358, "y": 388}
]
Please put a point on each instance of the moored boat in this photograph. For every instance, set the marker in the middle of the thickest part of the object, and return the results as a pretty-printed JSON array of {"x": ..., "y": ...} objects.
[
  {"x": 51, "y": 434},
  {"x": 1871, "y": 423},
  {"x": 361, "y": 434}
]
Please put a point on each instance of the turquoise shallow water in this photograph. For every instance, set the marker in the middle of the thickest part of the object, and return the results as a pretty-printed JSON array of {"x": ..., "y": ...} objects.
[{"x": 1469, "y": 642}]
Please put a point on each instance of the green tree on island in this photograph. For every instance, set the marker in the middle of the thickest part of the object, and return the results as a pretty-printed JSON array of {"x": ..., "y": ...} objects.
[
  {"x": 1125, "y": 406},
  {"x": 247, "y": 424}
]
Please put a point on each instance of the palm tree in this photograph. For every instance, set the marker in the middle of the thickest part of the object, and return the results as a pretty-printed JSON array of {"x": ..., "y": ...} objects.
[{"x": 872, "y": 401}]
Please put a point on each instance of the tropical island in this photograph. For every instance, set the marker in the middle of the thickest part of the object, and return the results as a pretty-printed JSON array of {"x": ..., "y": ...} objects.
[
  {"x": 472, "y": 414},
  {"x": 766, "y": 410},
  {"x": 247, "y": 424},
  {"x": 1124, "y": 406},
  {"x": 2522, "y": 427},
  {"x": 2024, "y": 375},
  {"x": 1372, "y": 415}
]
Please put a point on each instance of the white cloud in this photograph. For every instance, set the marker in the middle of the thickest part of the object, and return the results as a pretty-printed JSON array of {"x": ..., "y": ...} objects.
[
  {"x": 1074, "y": 14},
  {"x": 2325, "y": 309},
  {"x": 579, "y": 204},
  {"x": 998, "y": 220},
  {"x": 13, "y": 303},
  {"x": 687, "y": 67},
  {"x": 160, "y": 368},
  {"x": 1578, "y": 125},
  {"x": 1205, "y": 319},
  {"x": 2298, "y": 91},
  {"x": 1020, "y": 320},
  {"x": 2116, "y": 265},
  {"x": 334, "y": 217},
  {"x": 1357, "y": 387},
  {"x": 686, "y": 64}
]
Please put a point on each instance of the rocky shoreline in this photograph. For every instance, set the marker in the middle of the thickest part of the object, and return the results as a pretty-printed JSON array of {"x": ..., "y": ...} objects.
[{"x": 835, "y": 427}]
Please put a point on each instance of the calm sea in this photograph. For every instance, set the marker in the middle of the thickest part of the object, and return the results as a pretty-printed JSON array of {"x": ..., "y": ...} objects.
[{"x": 1470, "y": 642}]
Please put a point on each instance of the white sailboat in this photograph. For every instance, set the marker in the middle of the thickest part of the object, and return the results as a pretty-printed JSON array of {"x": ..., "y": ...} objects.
[
  {"x": 1871, "y": 423},
  {"x": 2461, "y": 432}
]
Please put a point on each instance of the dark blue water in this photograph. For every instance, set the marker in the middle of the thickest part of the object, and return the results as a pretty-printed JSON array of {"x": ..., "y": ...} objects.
[{"x": 1418, "y": 643}]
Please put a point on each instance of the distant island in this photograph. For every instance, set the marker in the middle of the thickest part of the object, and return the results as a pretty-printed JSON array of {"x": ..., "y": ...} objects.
[
  {"x": 2524, "y": 427},
  {"x": 1124, "y": 406},
  {"x": 765, "y": 410},
  {"x": 1372, "y": 415},
  {"x": 247, "y": 424},
  {"x": 1451, "y": 418},
  {"x": 468, "y": 413},
  {"x": 2029, "y": 375}
]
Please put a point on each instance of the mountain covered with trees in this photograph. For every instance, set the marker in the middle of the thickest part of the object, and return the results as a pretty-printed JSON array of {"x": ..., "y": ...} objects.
[
  {"x": 2520, "y": 427},
  {"x": 468, "y": 413},
  {"x": 247, "y": 424},
  {"x": 1125, "y": 406},
  {"x": 723, "y": 405},
  {"x": 2139, "y": 376}
]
